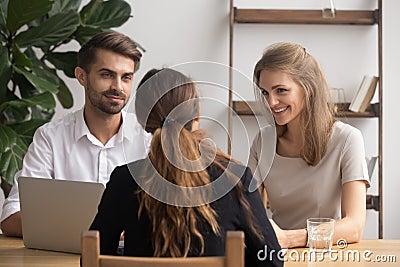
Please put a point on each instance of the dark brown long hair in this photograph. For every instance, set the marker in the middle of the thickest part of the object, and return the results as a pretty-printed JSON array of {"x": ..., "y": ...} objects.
[{"x": 158, "y": 94}]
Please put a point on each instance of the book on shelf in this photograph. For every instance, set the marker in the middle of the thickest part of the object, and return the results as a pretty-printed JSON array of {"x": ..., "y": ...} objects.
[
  {"x": 371, "y": 162},
  {"x": 364, "y": 94}
]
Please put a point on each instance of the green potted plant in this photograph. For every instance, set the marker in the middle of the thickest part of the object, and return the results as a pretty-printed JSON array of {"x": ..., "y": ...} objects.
[{"x": 32, "y": 34}]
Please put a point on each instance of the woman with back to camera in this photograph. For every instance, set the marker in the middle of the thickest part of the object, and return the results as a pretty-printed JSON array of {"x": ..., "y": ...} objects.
[
  {"x": 319, "y": 168},
  {"x": 162, "y": 220}
]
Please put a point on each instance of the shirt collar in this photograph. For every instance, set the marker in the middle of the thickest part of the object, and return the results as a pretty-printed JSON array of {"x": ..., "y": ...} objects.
[
  {"x": 123, "y": 131},
  {"x": 81, "y": 128},
  {"x": 130, "y": 126}
]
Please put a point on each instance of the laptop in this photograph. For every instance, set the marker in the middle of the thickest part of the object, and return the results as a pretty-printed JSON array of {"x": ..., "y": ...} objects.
[{"x": 54, "y": 212}]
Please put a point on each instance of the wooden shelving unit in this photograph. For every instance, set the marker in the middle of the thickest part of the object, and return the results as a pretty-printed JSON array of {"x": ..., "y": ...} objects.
[
  {"x": 246, "y": 108},
  {"x": 250, "y": 108},
  {"x": 295, "y": 16},
  {"x": 283, "y": 16}
]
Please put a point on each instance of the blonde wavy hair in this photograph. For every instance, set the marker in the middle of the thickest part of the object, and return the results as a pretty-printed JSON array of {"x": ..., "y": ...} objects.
[{"x": 317, "y": 115}]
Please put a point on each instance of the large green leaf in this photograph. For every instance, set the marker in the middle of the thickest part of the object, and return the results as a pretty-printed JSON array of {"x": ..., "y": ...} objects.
[
  {"x": 45, "y": 100},
  {"x": 3, "y": 12},
  {"x": 15, "y": 114},
  {"x": 47, "y": 75},
  {"x": 66, "y": 61},
  {"x": 12, "y": 150},
  {"x": 26, "y": 89},
  {"x": 5, "y": 71},
  {"x": 44, "y": 114},
  {"x": 84, "y": 33},
  {"x": 26, "y": 129},
  {"x": 4, "y": 5},
  {"x": 32, "y": 56},
  {"x": 106, "y": 14},
  {"x": 64, "y": 5},
  {"x": 88, "y": 10},
  {"x": 64, "y": 95},
  {"x": 20, "y": 58},
  {"x": 21, "y": 12},
  {"x": 4, "y": 61},
  {"x": 10, "y": 114},
  {"x": 9, "y": 137},
  {"x": 37, "y": 22},
  {"x": 54, "y": 30},
  {"x": 41, "y": 84},
  {"x": 18, "y": 103}
]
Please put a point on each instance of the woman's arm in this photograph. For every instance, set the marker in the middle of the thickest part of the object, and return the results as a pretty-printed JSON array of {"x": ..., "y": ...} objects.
[
  {"x": 353, "y": 203},
  {"x": 290, "y": 238},
  {"x": 349, "y": 228}
]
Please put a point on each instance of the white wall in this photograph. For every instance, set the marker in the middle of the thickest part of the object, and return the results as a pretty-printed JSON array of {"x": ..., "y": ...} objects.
[
  {"x": 178, "y": 31},
  {"x": 391, "y": 141}
]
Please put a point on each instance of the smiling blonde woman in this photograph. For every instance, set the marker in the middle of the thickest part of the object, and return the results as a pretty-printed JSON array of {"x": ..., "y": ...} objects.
[{"x": 319, "y": 168}]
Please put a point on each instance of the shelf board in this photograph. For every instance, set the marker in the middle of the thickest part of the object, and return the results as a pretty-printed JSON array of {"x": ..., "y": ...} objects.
[
  {"x": 293, "y": 16},
  {"x": 343, "y": 111},
  {"x": 250, "y": 108},
  {"x": 247, "y": 108}
]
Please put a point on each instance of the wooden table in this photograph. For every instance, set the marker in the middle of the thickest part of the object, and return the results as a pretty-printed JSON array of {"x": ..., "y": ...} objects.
[{"x": 13, "y": 253}]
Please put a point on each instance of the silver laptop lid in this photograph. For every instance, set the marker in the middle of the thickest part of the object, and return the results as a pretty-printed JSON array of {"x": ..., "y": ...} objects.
[{"x": 55, "y": 212}]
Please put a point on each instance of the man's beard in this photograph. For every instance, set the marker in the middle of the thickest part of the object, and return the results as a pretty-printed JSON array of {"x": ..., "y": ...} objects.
[{"x": 95, "y": 99}]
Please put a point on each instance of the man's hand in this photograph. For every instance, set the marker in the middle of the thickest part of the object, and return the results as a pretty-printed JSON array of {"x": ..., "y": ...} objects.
[{"x": 12, "y": 226}]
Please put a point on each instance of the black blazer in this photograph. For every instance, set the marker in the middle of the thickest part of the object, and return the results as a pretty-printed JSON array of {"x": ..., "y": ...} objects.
[{"x": 118, "y": 211}]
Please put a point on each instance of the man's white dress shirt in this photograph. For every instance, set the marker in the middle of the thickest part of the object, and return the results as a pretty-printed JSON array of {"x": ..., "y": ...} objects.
[{"x": 66, "y": 150}]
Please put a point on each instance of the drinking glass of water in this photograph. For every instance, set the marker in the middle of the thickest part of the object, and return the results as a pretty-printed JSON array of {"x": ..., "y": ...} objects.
[{"x": 320, "y": 234}]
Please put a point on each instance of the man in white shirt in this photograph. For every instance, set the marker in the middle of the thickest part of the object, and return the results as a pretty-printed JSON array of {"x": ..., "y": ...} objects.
[{"x": 88, "y": 144}]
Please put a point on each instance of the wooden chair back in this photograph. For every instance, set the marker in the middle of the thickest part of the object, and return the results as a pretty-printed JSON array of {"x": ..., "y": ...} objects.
[{"x": 91, "y": 256}]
